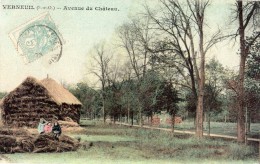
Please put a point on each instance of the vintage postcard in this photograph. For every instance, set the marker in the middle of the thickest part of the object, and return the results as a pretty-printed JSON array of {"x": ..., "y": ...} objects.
[{"x": 129, "y": 81}]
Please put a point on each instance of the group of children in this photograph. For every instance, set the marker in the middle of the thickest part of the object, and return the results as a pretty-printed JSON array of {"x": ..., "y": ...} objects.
[{"x": 47, "y": 127}]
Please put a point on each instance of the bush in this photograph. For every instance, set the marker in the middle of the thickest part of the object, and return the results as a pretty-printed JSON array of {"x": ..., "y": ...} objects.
[{"x": 240, "y": 152}]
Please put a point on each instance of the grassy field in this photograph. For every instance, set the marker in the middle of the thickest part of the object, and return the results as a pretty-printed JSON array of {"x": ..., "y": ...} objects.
[
  {"x": 226, "y": 128},
  {"x": 222, "y": 128},
  {"x": 120, "y": 144}
]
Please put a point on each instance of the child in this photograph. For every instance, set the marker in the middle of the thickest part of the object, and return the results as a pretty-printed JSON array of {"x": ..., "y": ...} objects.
[
  {"x": 48, "y": 128},
  {"x": 56, "y": 130},
  {"x": 41, "y": 125}
]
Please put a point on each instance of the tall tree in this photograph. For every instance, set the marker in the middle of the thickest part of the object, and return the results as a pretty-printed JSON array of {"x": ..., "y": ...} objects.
[
  {"x": 245, "y": 15},
  {"x": 198, "y": 11},
  {"x": 135, "y": 38},
  {"x": 215, "y": 83},
  {"x": 100, "y": 69},
  {"x": 179, "y": 23},
  {"x": 252, "y": 81}
]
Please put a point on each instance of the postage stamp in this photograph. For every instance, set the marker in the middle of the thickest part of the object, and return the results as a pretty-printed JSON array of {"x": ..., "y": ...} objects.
[{"x": 38, "y": 38}]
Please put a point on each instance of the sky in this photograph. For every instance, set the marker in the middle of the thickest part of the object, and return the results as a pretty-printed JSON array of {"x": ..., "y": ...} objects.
[{"x": 80, "y": 31}]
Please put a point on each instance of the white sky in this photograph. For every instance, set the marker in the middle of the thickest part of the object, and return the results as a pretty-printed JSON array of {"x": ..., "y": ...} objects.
[{"x": 81, "y": 30}]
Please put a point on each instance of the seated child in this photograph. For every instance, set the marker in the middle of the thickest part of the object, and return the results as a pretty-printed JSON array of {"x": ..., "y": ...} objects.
[
  {"x": 56, "y": 130},
  {"x": 48, "y": 128},
  {"x": 41, "y": 125}
]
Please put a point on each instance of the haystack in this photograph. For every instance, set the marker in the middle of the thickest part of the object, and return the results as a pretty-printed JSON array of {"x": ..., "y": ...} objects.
[
  {"x": 69, "y": 105},
  {"x": 34, "y": 99},
  {"x": 21, "y": 141},
  {"x": 47, "y": 143}
]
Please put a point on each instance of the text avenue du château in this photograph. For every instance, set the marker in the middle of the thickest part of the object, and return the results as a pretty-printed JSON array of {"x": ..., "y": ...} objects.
[{"x": 91, "y": 8}]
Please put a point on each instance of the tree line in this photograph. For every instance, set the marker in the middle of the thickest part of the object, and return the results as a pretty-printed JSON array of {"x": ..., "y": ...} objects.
[{"x": 165, "y": 67}]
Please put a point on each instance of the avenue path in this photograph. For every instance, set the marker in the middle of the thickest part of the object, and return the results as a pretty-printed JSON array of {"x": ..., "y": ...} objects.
[{"x": 186, "y": 131}]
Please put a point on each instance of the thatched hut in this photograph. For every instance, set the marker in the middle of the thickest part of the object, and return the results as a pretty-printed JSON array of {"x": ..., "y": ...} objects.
[{"x": 34, "y": 99}]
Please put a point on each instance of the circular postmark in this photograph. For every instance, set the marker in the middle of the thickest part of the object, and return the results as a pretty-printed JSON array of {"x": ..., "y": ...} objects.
[{"x": 40, "y": 40}]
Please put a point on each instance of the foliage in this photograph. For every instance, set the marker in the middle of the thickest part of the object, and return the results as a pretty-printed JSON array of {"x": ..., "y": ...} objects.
[
  {"x": 252, "y": 78},
  {"x": 113, "y": 95},
  {"x": 240, "y": 152},
  {"x": 2, "y": 94},
  {"x": 89, "y": 98},
  {"x": 190, "y": 103},
  {"x": 214, "y": 87},
  {"x": 212, "y": 101},
  {"x": 253, "y": 59},
  {"x": 151, "y": 93}
]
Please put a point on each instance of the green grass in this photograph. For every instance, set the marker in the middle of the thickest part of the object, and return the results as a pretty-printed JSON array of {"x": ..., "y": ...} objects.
[
  {"x": 120, "y": 144},
  {"x": 223, "y": 128},
  {"x": 94, "y": 157},
  {"x": 105, "y": 138}
]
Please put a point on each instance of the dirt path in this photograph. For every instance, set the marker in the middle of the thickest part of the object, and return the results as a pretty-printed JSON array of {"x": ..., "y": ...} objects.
[{"x": 187, "y": 132}]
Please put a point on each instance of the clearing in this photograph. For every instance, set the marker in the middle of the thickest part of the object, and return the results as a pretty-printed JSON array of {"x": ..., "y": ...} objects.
[{"x": 120, "y": 144}]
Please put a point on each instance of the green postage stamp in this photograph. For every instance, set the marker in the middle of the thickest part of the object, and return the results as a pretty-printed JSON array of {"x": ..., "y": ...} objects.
[{"x": 38, "y": 38}]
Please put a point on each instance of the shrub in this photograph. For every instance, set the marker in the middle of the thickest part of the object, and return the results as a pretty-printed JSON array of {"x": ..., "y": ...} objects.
[{"x": 240, "y": 152}]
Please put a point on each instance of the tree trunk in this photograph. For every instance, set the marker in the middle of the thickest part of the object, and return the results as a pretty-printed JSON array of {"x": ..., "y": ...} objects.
[
  {"x": 194, "y": 121},
  {"x": 128, "y": 111},
  {"x": 120, "y": 117},
  {"x": 240, "y": 87},
  {"x": 199, "y": 117},
  {"x": 199, "y": 110},
  {"x": 241, "y": 112},
  {"x": 140, "y": 117},
  {"x": 173, "y": 121},
  {"x": 248, "y": 121},
  {"x": 103, "y": 109},
  {"x": 151, "y": 123},
  {"x": 208, "y": 123},
  {"x": 205, "y": 120},
  {"x": 132, "y": 120},
  {"x": 201, "y": 78}
]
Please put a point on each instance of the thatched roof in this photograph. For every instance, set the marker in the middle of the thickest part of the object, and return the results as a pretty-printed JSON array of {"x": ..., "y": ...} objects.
[{"x": 59, "y": 93}]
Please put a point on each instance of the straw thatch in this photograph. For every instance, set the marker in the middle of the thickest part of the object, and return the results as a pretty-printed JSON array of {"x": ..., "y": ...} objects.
[
  {"x": 34, "y": 99},
  {"x": 1, "y": 120},
  {"x": 21, "y": 141},
  {"x": 59, "y": 93}
]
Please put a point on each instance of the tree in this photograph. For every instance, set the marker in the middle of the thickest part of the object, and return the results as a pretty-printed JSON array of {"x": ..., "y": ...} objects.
[
  {"x": 89, "y": 98},
  {"x": 252, "y": 80},
  {"x": 252, "y": 101},
  {"x": 245, "y": 15},
  {"x": 113, "y": 93},
  {"x": 215, "y": 83},
  {"x": 2, "y": 94},
  {"x": 157, "y": 94},
  {"x": 212, "y": 103},
  {"x": 134, "y": 38},
  {"x": 129, "y": 98},
  {"x": 253, "y": 59},
  {"x": 169, "y": 100},
  {"x": 101, "y": 70},
  {"x": 179, "y": 27}
]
